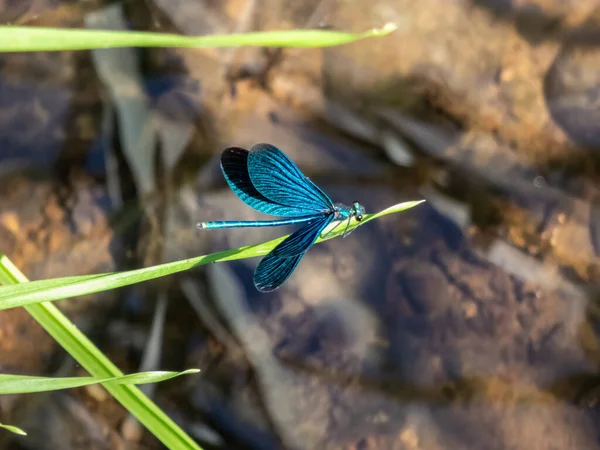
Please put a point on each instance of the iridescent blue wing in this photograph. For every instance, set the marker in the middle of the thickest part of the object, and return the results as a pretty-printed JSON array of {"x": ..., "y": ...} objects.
[
  {"x": 302, "y": 239},
  {"x": 278, "y": 179},
  {"x": 234, "y": 165},
  {"x": 278, "y": 265},
  {"x": 272, "y": 271}
]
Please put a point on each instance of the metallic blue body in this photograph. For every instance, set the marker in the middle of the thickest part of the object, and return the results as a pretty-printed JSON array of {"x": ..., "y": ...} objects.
[
  {"x": 255, "y": 223},
  {"x": 267, "y": 180}
]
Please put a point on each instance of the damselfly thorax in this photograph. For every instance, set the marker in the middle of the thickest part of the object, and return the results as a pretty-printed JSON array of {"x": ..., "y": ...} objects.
[{"x": 346, "y": 213}]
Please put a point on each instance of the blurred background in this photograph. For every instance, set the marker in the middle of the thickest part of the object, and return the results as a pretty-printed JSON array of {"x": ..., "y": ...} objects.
[{"x": 469, "y": 322}]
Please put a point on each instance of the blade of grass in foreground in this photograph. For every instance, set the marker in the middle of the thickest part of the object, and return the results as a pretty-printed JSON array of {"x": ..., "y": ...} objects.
[
  {"x": 59, "y": 288},
  {"x": 28, "y": 39},
  {"x": 13, "y": 429},
  {"x": 23, "y": 384},
  {"x": 92, "y": 359}
]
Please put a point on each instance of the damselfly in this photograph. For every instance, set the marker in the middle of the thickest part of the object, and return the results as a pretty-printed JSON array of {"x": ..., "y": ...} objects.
[{"x": 265, "y": 179}]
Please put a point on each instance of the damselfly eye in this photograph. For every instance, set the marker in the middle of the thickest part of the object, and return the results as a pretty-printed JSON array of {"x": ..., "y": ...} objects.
[{"x": 359, "y": 218}]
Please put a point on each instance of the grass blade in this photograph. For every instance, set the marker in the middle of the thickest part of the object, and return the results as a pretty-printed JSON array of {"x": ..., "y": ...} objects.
[
  {"x": 23, "y": 384},
  {"x": 92, "y": 359},
  {"x": 28, "y": 39},
  {"x": 13, "y": 429},
  {"x": 59, "y": 288}
]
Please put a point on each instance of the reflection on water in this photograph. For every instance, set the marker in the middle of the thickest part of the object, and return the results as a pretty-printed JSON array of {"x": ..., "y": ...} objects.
[{"x": 468, "y": 322}]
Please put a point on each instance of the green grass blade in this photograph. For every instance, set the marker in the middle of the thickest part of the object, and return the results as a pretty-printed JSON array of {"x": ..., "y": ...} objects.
[
  {"x": 23, "y": 384},
  {"x": 59, "y": 288},
  {"x": 27, "y": 39},
  {"x": 92, "y": 359},
  {"x": 13, "y": 429}
]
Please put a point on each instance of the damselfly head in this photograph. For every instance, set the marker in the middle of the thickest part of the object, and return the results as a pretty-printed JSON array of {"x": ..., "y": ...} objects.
[{"x": 358, "y": 211}]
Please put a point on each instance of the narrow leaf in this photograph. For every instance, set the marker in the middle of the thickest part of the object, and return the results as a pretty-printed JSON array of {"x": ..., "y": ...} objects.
[
  {"x": 28, "y": 39},
  {"x": 59, "y": 288},
  {"x": 92, "y": 359},
  {"x": 23, "y": 384},
  {"x": 13, "y": 429}
]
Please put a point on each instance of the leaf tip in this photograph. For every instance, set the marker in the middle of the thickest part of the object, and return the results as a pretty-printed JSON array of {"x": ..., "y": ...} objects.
[
  {"x": 13, "y": 429},
  {"x": 386, "y": 29}
]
